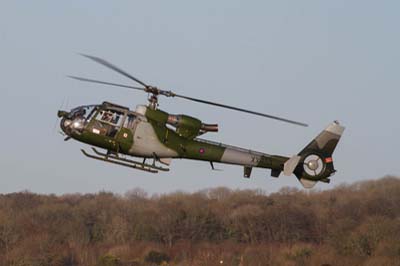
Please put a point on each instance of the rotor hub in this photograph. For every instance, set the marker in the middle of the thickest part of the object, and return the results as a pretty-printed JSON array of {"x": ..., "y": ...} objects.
[{"x": 313, "y": 164}]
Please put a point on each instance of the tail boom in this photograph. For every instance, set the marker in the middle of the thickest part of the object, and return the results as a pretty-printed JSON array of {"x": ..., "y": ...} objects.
[{"x": 314, "y": 163}]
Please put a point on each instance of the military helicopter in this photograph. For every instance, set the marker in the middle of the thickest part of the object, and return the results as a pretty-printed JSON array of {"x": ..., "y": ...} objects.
[{"x": 148, "y": 133}]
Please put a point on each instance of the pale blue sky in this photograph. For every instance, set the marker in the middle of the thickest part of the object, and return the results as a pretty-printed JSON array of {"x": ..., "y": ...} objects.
[{"x": 313, "y": 61}]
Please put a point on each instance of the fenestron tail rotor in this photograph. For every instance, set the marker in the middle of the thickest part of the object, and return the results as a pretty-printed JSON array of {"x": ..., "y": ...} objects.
[{"x": 154, "y": 91}]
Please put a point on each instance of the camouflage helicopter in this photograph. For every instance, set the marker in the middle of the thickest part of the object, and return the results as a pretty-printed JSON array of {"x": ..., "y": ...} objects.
[{"x": 152, "y": 134}]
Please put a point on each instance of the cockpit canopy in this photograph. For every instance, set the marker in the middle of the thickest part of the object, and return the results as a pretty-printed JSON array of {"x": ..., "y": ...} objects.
[
  {"x": 105, "y": 119},
  {"x": 85, "y": 111}
]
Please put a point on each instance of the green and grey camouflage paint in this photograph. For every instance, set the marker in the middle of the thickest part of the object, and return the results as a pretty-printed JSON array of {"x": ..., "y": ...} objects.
[{"x": 150, "y": 137}]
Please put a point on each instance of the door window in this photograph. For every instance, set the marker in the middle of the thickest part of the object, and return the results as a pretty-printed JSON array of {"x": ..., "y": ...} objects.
[
  {"x": 108, "y": 122},
  {"x": 129, "y": 122}
]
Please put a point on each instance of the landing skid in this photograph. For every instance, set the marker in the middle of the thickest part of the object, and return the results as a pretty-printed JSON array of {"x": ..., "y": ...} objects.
[{"x": 115, "y": 159}]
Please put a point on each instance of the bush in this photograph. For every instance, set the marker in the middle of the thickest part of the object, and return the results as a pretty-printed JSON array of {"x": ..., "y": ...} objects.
[
  {"x": 109, "y": 260},
  {"x": 156, "y": 257}
]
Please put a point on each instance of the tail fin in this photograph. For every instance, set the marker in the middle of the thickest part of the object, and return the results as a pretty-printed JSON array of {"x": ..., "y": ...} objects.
[{"x": 314, "y": 163}]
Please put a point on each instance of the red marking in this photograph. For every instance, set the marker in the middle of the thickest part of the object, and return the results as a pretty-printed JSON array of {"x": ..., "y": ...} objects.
[
  {"x": 202, "y": 150},
  {"x": 328, "y": 160}
]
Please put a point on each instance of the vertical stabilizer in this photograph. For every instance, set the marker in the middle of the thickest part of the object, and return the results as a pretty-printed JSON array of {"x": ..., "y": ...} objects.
[
  {"x": 314, "y": 163},
  {"x": 325, "y": 143}
]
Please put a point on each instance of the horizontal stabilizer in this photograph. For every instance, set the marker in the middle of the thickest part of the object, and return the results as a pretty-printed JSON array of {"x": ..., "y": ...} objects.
[{"x": 290, "y": 165}]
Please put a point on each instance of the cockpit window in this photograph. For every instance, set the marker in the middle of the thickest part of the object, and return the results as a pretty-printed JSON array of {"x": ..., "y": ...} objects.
[
  {"x": 107, "y": 122},
  {"x": 105, "y": 116},
  {"x": 110, "y": 116},
  {"x": 83, "y": 111},
  {"x": 90, "y": 112}
]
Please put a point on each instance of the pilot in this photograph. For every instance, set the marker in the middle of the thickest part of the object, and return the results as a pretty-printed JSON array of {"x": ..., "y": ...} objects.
[{"x": 106, "y": 117}]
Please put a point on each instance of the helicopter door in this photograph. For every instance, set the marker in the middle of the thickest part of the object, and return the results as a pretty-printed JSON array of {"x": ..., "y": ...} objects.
[
  {"x": 108, "y": 122},
  {"x": 125, "y": 134},
  {"x": 129, "y": 122}
]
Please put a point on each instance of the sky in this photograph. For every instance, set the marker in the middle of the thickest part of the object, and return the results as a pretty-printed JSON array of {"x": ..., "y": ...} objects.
[{"x": 312, "y": 61}]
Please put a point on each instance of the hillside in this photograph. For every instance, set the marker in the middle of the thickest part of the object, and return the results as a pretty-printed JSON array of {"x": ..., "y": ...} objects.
[{"x": 357, "y": 224}]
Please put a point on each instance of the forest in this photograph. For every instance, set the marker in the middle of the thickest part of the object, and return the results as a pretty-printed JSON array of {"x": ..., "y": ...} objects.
[{"x": 351, "y": 224}]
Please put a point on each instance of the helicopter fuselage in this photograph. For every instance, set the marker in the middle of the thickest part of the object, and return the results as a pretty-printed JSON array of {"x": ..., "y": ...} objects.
[
  {"x": 144, "y": 133},
  {"x": 148, "y": 133}
]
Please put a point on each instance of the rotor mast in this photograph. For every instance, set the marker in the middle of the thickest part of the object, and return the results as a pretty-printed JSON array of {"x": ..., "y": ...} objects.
[{"x": 153, "y": 101}]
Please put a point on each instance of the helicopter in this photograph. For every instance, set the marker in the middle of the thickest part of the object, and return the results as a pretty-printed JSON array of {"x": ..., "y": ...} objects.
[{"x": 148, "y": 138}]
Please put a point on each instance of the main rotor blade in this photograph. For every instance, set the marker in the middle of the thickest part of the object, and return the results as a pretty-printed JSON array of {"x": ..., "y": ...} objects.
[
  {"x": 111, "y": 66},
  {"x": 242, "y": 110},
  {"x": 156, "y": 91},
  {"x": 106, "y": 83}
]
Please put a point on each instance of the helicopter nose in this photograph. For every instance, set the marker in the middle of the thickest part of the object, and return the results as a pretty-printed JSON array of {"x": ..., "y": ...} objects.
[
  {"x": 65, "y": 125},
  {"x": 65, "y": 122}
]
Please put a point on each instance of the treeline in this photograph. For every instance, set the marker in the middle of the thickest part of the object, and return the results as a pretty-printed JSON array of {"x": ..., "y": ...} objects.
[{"x": 356, "y": 224}]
